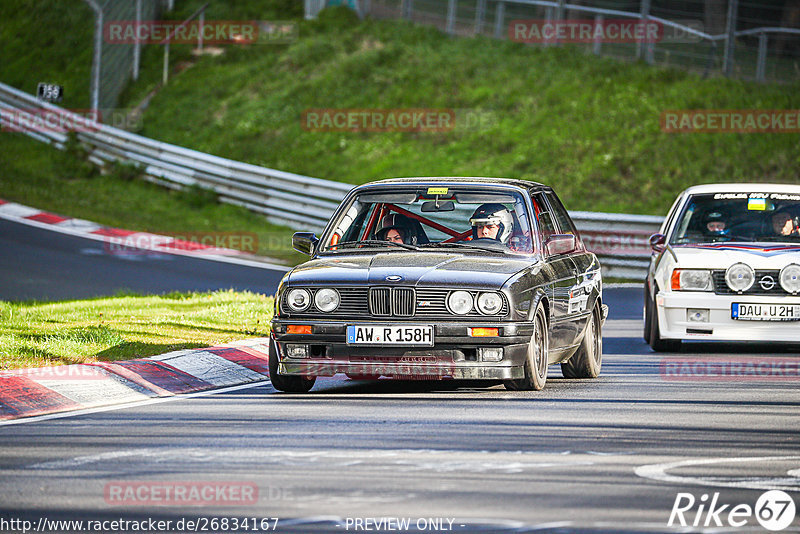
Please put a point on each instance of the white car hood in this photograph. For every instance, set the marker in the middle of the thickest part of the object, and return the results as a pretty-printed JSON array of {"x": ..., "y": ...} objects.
[{"x": 723, "y": 255}]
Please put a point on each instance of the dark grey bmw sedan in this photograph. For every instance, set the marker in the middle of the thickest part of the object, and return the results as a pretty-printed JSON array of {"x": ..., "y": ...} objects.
[{"x": 441, "y": 278}]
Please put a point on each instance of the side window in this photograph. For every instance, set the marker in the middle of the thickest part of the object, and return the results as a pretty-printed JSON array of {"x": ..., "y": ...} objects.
[
  {"x": 545, "y": 217},
  {"x": 560, "y": 215}
]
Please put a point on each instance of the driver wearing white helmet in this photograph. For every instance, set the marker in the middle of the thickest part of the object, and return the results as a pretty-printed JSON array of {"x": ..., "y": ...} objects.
[{"x": 492, "y": 221}]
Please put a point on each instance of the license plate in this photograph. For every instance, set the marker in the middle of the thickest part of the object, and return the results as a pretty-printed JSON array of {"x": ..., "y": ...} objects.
[
  {"x": 765, "y": 312},
  {"x": 390, "y": 335}
]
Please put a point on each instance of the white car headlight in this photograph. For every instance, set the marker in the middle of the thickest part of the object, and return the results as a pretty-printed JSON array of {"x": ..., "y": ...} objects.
[
  {"x": 490, "y": 303},
  {"x": 460, "y": 302},
  {"x": 790, "y": 278},
  {"x": 692, "y": 280},
  {"x": 740, "y": 277},
  {"x": 298, "y": 299},
  {"x": 326, "y": 300}
]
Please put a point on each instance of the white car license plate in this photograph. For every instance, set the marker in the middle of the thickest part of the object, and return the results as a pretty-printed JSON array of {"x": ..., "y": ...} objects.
[
  {"x": 390, "y": 335},
  {"x": 765, "y": 312}
]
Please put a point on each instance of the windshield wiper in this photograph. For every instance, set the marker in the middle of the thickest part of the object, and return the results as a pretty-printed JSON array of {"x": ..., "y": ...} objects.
[
  {"x": 467, "y": 245},
  {"x": 350, "y": 244}
]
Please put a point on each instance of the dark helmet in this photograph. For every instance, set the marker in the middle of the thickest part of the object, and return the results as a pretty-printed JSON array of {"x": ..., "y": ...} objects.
[
  {"x": 493, "y": 213},
  {"x": 401, "y": 223},
  {"x": 716, "y": 216}
]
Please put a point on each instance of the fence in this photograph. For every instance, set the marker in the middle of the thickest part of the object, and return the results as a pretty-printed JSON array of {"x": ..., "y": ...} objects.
[
  {"x": 758, "y": 40},
  {"x": 300, "y": 202}
]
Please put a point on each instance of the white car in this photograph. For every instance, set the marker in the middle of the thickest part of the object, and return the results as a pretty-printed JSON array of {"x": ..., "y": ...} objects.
[{"x": 726, "y": 267}]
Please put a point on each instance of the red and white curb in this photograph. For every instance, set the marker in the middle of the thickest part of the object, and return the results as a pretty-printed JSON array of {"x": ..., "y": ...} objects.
[
  {"x": 118, "y": 238},
  {"x": 48, "y": 390}
]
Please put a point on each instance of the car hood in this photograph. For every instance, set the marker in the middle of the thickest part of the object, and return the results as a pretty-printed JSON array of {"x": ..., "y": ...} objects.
[
  {"x": 416, "y": 268},
  {"x": 723, "y": 255}
]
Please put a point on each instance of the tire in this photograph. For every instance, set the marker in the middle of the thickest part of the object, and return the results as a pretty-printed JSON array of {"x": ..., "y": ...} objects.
[
  {"x": 647, "y": 316},
  {"x": 656, "y": 343},
  {"x": 289, "y": 384},
  {"x": 587, "y": 361},
  {"x": 536, "y": 360}
]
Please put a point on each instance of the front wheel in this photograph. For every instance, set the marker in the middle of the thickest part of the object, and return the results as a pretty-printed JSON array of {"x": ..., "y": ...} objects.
[
  {"x": 536, "y": 361},
  {"x": 289, "y": 384},
  {"x": 587, "y": 361}
]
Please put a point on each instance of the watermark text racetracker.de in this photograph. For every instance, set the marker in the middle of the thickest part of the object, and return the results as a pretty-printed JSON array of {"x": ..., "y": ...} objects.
[
  {"x": 727, "y": 369},
  {"x": 423, "y": 120},
  {"x": 47, "y": 525},
  {"x": 544, "y": 31},
  {"x": 55, "y": 120},
  {"x": 119, "y": 32},
  {"x": 731, "y": 121}
]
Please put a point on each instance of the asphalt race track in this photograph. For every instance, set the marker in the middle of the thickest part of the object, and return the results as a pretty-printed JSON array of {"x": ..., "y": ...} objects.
[
  {"x": 38, "y": 264},
  {"x": 605, "y": 455}
]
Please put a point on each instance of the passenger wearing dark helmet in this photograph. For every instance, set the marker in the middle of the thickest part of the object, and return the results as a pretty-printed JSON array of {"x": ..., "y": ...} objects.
[
  {"x": 395, "y": 228},
  {"x": 492, "y": 221}
]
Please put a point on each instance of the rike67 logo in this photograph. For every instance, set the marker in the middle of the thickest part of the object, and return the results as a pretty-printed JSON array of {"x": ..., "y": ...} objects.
[{"x": 774, "y": 510}]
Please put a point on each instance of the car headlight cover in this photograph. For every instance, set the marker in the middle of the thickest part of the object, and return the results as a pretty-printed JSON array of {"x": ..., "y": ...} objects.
[
  {"x": 326, "y": 299},
  {"x": 692, "y": 280},
  {"x": 298, "y": 299},
  {"x": 460, "y": 302},
  {"x": 740, "y": 277},
  {"x": 790, "y": 278},
  {"x": 490, "y": 303}
]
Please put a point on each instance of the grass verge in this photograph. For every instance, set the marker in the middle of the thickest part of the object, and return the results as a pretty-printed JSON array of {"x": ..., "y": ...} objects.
[{"x": 36, "y": 334}]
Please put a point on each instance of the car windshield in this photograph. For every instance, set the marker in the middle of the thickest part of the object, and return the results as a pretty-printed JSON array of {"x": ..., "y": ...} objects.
[
  {"x": 433, "y": 218},
  {"x": 741, "y": 217}
]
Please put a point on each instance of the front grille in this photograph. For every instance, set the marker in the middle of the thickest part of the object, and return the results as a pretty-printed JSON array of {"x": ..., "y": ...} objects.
[
  {"x": 721, "y": 287},
  {"x": 397, "y": 301},
  {"x": 380, "y": 301}
]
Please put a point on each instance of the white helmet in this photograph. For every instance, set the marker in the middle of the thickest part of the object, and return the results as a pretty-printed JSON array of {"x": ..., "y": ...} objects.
[{"x": 493, "y": 213}]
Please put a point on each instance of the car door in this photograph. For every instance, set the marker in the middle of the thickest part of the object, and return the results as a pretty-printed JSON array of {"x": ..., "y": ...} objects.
[{"x": 562, "y": 273}]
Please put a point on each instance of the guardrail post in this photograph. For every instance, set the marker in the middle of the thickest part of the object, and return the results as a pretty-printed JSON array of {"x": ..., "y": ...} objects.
[
  {"x": 201, "y": 25},
  {"x": 451, "y": 16},
  {"x": 165, "y": 72},
  {"x": 98, "y": 53},
  {"x": 137, "y": 45},
  {"x": 730, "y": 37},
  {"x": 406, "y": 9},
  {"x": 762, "y": 57},
  {"x": 480, "y": 14},
  {"x": 548, "y": 20},
  {"x": 560, "y": 10},
  {"x": 598, "y": 39},
  {"x": 645, "y": 48},
  {"x": 499, "y": 18}
]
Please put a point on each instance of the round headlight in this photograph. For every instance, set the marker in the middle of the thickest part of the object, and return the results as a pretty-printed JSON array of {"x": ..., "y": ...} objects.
[
  {"x": 326, "y": 300},
  {"x": 790, "y": 278},
  {"x": 460, "y": 302},
  {"x": 740, "y": 277},
  {"x": 489, "y": 303},
  {"x": 298, "y": 299}
]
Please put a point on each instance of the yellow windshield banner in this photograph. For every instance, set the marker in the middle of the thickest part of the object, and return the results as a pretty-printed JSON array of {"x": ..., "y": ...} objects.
[{"x": 437, "y": 190}]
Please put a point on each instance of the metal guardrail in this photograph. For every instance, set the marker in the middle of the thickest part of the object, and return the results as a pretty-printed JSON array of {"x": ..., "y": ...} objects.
[{"x": 300, "y": 202}]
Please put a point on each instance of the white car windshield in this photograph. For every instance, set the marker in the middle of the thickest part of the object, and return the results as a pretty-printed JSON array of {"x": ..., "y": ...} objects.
[
  {"x": 422, "y": 218},
  {"x": 740, "y": 217}
]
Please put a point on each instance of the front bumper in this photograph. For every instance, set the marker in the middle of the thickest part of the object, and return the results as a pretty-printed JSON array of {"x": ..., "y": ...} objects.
[
  {"x": 674, "y": 324},
  {"x": 454, "y": 354}
]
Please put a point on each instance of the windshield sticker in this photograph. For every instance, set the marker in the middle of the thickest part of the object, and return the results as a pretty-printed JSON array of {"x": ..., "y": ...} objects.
[
  {"x": 757, "y": 204},
  {"x": 437, "y": 190}
]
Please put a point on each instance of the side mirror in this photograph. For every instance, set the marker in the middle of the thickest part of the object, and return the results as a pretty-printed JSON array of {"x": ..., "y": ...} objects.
[
  {"x": 658, "y": 242},
  {"x": 304, "y": 242},
  {"x": 560, "y": 244}
]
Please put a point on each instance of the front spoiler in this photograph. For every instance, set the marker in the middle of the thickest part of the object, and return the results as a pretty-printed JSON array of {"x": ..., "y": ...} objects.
[{"x": 454, "y": 354}]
